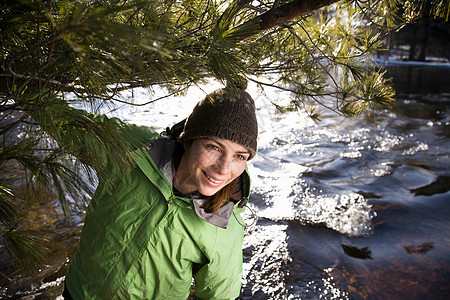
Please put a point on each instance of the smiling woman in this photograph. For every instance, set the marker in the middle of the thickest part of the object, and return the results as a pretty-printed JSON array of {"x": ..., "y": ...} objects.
[
  {"x": 209, "y": 165},
  {"x": 176, "y": 216}
]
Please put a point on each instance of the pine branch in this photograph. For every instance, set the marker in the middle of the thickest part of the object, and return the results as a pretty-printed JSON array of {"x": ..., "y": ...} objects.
[
  {"x": 8, "y": 212},
  {"x": 25, "y": 249},
  {"x": 223, "y": 23},
  {"x": 276, "y": 16}
]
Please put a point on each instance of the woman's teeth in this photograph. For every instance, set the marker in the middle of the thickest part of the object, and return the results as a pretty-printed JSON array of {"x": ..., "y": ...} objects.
[{"x": 212, "y": 179}]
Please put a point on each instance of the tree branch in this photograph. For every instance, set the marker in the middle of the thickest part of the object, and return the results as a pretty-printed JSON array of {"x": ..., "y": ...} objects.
[{"x": 275, "y": 17}]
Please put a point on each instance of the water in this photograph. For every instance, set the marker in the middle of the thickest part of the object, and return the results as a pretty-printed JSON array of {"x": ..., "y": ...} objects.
[
  {"x": 356, "y": 210},
  {"x": 341, "y": 209}
]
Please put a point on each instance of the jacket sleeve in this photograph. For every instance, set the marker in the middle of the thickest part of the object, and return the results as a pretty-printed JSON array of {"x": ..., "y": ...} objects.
[
  {"x": 211, "y": 283},
  {"x": 221, "y": 276}
]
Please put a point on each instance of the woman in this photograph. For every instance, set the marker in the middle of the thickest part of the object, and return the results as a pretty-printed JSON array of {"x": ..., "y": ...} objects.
[{"x": 176, "y": 216}]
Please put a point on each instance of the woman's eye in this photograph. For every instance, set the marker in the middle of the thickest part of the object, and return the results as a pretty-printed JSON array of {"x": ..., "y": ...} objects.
[
  {"x": 212, "y": 147},
  {"x": 241, "y": 157}
]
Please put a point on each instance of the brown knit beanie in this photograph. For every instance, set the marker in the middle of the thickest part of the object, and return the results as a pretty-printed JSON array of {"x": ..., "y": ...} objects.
[{"x": 226, "y": 114}]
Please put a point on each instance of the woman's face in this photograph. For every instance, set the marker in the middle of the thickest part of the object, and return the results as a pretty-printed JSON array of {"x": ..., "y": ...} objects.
[{"x": 210, "y": 164}]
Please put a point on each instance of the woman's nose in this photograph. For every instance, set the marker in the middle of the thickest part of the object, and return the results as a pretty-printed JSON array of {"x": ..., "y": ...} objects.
[{"x": 223, "y": 164}]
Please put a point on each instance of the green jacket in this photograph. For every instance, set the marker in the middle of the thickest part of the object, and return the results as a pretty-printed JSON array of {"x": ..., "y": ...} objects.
[{"x": 140, "y": 241}]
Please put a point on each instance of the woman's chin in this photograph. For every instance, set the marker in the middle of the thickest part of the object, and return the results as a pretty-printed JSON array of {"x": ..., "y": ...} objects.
[{"x": 209, "y": 190}]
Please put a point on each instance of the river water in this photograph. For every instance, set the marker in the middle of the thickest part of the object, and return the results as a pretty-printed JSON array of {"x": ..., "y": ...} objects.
[{"x": 340, "y": 209}]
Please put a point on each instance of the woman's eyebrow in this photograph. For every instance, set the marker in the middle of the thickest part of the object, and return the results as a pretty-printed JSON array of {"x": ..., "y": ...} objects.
[{"x": 243, "y": 152}]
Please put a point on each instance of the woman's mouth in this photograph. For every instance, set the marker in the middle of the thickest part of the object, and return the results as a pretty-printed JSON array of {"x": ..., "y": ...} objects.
[{"x": 215, "y": 181}]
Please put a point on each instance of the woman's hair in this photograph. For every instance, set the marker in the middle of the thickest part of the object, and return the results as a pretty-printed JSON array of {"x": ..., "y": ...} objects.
[{"x": 218, "y": 199}]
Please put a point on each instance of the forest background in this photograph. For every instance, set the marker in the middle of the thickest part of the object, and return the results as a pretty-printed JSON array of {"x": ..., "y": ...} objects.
[{"x": 59, "y": 52}]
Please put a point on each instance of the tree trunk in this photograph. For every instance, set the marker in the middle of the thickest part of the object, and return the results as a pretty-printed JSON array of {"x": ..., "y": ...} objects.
[{"x": 419, "y": 41}]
